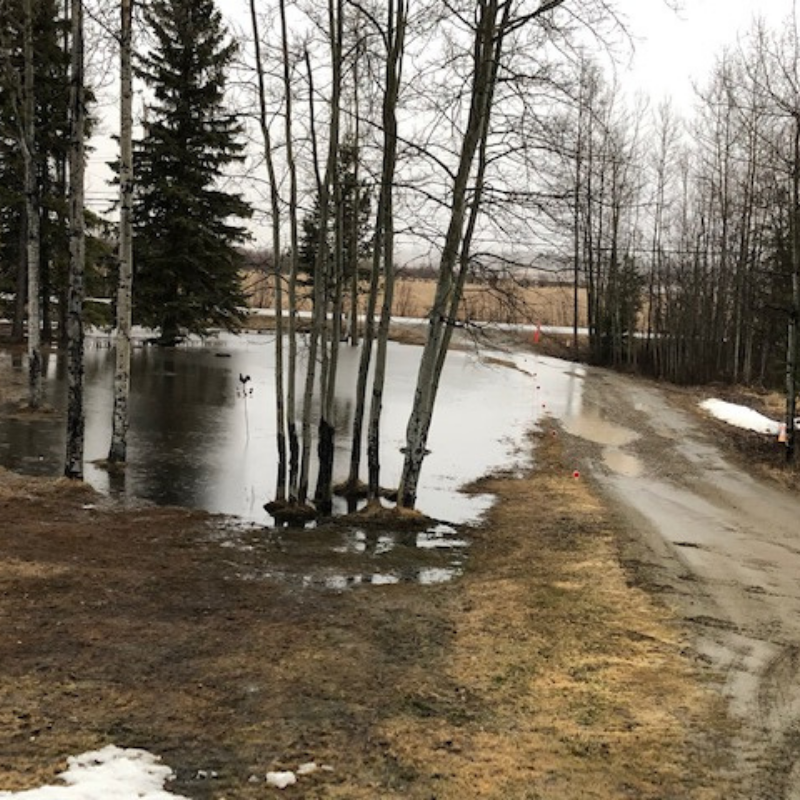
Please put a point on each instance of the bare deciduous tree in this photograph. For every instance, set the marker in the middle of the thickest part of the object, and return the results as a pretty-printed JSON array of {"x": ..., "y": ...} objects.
[
  {"x": 118, "y": 451},
  {"x": 73, "y": 467},
  {"x": 275, "y": 207},
  {"x": 28, "y": 141}
]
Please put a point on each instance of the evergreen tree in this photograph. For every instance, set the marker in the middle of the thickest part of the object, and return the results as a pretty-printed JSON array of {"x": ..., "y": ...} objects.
[
  {"x": 185, "y": 227},
  {"x": 354, "y": 216},
  {"x": 51, "y": 83}
]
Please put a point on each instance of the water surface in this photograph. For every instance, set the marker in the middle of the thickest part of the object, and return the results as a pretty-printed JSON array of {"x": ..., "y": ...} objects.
[{"x": 197, "y": 440}]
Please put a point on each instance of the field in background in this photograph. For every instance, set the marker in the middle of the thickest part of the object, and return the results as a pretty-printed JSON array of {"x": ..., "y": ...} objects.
[{"x": 503, "y": 302}]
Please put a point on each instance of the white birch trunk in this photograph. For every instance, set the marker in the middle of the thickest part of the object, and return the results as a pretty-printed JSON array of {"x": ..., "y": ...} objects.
[
  {"x": 291, "y": 401},
  {"x": 280, "y": 414},
  {"x": 396, "y": 18},
  {"x": 329, "y": 334},
  {"x": 319, "y": 309},
  {"x": 365, "y": 359},
  {"x": 73, "y": 466},
  {"x": 118, "y": 451},
  {"x": 488, "y": 48},
  {"x": 33, "y": 243}
]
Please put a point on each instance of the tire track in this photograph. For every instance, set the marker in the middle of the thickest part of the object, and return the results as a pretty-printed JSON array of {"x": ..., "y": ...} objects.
[{"x": 721, "y": 547}]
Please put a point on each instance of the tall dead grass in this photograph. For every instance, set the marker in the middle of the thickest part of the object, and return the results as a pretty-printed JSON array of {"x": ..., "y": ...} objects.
[{"x": 502, "y": 302}]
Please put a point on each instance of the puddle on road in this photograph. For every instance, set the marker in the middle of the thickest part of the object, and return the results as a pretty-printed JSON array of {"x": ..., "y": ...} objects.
[
  {"x": 621, "y": 463},
  {"x": 589, "y": 423}
]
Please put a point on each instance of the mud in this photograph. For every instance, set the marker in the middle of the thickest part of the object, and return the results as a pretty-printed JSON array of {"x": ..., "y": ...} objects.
[
  {"x": 720, "y": 545},
  {"x": 628, "y": 633}
]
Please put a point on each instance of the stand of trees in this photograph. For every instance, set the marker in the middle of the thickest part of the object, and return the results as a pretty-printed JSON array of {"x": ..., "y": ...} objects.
[
  {"x": 685, "y": 233},
  {"x": 684, "y": 237},
  {"x": 34, "y": 136}
]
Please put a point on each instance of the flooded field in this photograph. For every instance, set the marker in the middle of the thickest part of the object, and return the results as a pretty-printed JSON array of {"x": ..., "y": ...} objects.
[{"x": 198, "y": 440}]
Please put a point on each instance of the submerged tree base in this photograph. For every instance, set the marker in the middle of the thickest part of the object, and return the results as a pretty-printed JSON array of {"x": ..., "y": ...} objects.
[
  {"x": 394, "y": 517},
  {"x": 24, "y": 410},
  {"x": 295, "y": 515},
  {"x": 110, "y": 465},
  {"x": 372, "y": 515},
  {"x": 358, "y": 490}
]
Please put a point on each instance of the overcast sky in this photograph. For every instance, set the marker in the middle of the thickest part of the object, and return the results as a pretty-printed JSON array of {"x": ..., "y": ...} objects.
[{"x": 674, "y": 48}]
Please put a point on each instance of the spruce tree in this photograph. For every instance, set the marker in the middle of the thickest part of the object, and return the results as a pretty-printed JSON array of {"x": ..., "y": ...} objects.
[
  {"x": 51, "y": 84},
  {"x": 354, "y": 215},
  {"x": 186, "y": 229}
]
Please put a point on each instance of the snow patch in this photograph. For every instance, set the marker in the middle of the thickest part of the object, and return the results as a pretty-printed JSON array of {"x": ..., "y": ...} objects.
[
  {"x": 112, "y": 772},
  {"x": 741, "y": 416},
  {"x": 281, "y": 779}
]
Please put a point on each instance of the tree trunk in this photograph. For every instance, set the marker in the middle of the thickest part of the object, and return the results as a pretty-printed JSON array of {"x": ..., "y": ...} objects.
[
  {"x": 73, "y": 466},
  {"x": 20, "y": 302},
  {"x": 331, "y": 334},
  {"x": 366, "y": 348},
  {"x": 291, "y": 403},
  {"x": 791, "y": 371},
  {"x": 794, "y": 309},
  {"x": 353, "y": 229},
  {"x": 396, "y": 28},
  {"x": 280, "y": 412},
  {"x": 488, "y": 47},
  {"x": 318, "y": 313},
  {"x": 45, "y": 271},
  {"x": 118, "y": 451},
  {"x": 577, "y": 198},
  {"x": 33, "y": 243}
]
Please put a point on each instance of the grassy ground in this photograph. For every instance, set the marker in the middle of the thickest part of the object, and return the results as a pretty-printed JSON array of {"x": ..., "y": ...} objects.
[{"x": 542, "y": 672}]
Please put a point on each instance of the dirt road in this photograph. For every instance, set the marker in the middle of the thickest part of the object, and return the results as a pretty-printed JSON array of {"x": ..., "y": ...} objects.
[
  {"x": 545, "y": 670},
  {"x": 540, "y": 672},
  {"x": 723, "y": 548}
]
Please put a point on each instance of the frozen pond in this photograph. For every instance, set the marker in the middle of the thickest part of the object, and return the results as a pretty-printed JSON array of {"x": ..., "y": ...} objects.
[{"x": 196, "y": 441}]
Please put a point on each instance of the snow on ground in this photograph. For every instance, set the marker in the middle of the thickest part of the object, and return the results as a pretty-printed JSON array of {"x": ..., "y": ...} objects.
[
  {"x": 741, "y": 416},
  {"x": 112, "y": 773}
]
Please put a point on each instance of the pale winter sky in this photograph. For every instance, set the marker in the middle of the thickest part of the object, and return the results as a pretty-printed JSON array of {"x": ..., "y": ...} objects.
[
  {"x": 672, "y": 46},
  {"x": 675, "y": 48},
  {"x": 672, "y": 49}
]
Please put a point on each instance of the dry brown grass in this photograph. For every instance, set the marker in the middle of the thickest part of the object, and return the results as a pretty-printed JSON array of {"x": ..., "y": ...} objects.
[
  {"x": 19, "y": 487},
  {"x": 504, "y": 302},
  {"x": 563, "y": 680}
]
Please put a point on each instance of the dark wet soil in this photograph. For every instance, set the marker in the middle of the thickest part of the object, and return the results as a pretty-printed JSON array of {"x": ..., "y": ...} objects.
[
  {"x": 539, "y": 672},
  {"x": 548, "y": 665}
]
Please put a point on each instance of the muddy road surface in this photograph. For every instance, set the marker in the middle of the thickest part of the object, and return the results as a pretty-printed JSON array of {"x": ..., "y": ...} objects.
[
  {"x": 722, "y": 547},
  {"x": 550, "y": 666}
]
